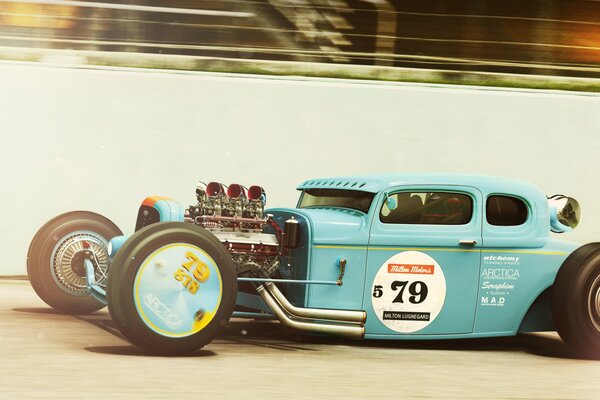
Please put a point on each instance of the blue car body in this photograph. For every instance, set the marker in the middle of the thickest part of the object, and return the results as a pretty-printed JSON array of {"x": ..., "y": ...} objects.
[
  {"x": 496, "y": 287},
  {"x": 498, "y": 284}
]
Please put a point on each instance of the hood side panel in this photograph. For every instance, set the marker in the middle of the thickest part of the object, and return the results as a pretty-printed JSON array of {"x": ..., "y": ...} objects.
[
  {"x": 295, "y": 265},
  {"x": 335, "y": 234}
]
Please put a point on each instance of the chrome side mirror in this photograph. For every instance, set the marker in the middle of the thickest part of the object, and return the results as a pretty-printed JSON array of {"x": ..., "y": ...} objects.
[{"x": 565, "y": 213}]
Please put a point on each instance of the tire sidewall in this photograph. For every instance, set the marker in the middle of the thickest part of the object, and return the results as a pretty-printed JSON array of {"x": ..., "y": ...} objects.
[
  {"x": 571, "y": 300},
  {"x": 582, "y": 284},
  {"x": 39, "y": 263},
  {"x": 125, "y": 267}
]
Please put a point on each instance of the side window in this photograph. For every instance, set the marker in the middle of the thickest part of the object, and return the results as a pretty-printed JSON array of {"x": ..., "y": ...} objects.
[
  {"x": 432, "y": 208},
  {"x": 505, "y": 211}
]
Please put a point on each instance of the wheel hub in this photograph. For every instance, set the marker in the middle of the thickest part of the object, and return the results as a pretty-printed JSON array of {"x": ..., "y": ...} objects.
[
  {"x": 77, "y": 264},
  {"x": 594, "y": 303},
  {"x": 67, "y": 259}
]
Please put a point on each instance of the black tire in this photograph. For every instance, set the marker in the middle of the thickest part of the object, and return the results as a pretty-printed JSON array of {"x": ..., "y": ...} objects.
[
  {"x": 39, "y": 260},
  {"x": 575, "y": 301},
  {"x": 124, "y": 270}
]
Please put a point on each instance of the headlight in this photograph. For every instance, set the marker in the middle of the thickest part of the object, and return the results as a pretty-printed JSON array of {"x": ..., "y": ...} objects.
[{"x": 565, "y": 213}]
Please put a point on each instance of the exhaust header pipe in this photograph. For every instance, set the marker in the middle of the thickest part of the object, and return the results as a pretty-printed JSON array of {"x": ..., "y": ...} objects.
[
  {"x": 352, "y": 331},
  {"x": 348, "y": 316}
]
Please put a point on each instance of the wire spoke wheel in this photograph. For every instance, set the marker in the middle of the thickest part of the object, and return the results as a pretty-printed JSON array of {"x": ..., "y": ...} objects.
[
  {"x": 55, "y": 265},
  {"x": 67, "y": 269}
]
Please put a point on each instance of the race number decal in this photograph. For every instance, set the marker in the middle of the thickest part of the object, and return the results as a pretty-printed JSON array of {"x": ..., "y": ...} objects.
[{"x": 409, "y": 291}]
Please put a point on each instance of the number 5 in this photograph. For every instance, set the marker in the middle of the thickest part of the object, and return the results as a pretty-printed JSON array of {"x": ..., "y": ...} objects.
[{"x": 377, "y": 291}]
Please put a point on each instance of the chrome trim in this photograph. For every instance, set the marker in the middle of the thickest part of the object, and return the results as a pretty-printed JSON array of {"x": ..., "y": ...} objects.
[
  {"x": 293, "y": 281},
  {"x": 567, "y": 212},
  {"x": 266, "y": 239}
]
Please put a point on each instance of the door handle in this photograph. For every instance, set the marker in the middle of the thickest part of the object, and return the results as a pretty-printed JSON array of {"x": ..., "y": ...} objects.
[{"x": 467, "y": 242}]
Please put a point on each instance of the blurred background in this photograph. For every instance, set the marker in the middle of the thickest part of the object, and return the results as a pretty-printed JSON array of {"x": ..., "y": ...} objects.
[
  {"x": 82, "y": 129},
  {"x": 538, "y": 37}
]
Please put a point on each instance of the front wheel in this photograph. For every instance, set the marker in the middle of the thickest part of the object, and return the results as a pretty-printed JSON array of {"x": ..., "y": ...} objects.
[
  {"x": 172, "y": 286},
  {"x": 55, "y": 270},
  {"x": 576, "y": 300}
]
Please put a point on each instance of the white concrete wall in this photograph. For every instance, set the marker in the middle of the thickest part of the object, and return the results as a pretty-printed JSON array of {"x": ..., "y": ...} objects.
[{"x": 102, "y": 140}]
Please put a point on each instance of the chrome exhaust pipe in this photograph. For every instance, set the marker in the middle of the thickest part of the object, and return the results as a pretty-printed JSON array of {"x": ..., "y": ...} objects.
[
  {"x": 355, "y": 332},
  {"x": 348, "y": 316}
]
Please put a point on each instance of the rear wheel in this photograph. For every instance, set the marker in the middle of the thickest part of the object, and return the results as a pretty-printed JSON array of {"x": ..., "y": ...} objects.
[
  {"x": 171, "y": 288},
  {"x": 54, "y": 269},
  {"x": 576, "y": 300}
]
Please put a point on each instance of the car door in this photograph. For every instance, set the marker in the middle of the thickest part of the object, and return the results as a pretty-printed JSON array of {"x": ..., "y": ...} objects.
[{"x": 423, "y": 261}]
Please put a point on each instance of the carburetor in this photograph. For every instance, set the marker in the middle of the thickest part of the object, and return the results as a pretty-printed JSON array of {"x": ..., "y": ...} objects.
[{"x": 230, "y": 207}]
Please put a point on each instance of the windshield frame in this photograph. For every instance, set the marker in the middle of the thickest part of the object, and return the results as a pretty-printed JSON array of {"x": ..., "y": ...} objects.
[{"x": 360, "y": 210}]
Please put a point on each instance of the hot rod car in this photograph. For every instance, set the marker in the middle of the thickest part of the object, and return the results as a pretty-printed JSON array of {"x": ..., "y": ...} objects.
[{"x": 407, "y": 256}]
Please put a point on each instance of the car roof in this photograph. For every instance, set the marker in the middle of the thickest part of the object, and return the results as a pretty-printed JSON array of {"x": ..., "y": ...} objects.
[{"x": 378, "y": 182}]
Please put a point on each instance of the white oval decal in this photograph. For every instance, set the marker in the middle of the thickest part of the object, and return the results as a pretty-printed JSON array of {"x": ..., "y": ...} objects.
[{"x": 408, "y": 291}]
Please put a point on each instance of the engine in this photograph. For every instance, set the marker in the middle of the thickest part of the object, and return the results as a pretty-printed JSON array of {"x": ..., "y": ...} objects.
[{"x": 235, "y": 215}]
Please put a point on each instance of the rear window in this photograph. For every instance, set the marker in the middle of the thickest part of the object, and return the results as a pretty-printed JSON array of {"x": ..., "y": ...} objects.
[
  {"x": 428, "y": 208},
  {"x": 321, "y": 198},
  {"x": 506, "y": 211}
]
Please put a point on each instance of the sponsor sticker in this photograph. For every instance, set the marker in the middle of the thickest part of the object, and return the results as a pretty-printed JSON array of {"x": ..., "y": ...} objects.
[
  {"x": 407, "y": 316},
  {"x": 409, "y": 291},
  {"x": 499, "y": 277},
  {"x": 177, "y": 290},
  {"x": 501, "y": 260},
  {"x": 410, "y": 269},
  {"x": 163, "y": 312}
]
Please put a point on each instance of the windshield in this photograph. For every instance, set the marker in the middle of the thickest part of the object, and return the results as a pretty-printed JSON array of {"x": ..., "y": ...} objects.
[{"x": 353, "y": 199}]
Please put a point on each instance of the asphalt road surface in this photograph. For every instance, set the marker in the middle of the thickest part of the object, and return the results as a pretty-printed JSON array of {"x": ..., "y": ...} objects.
[{"x": 49, "y": 355}]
